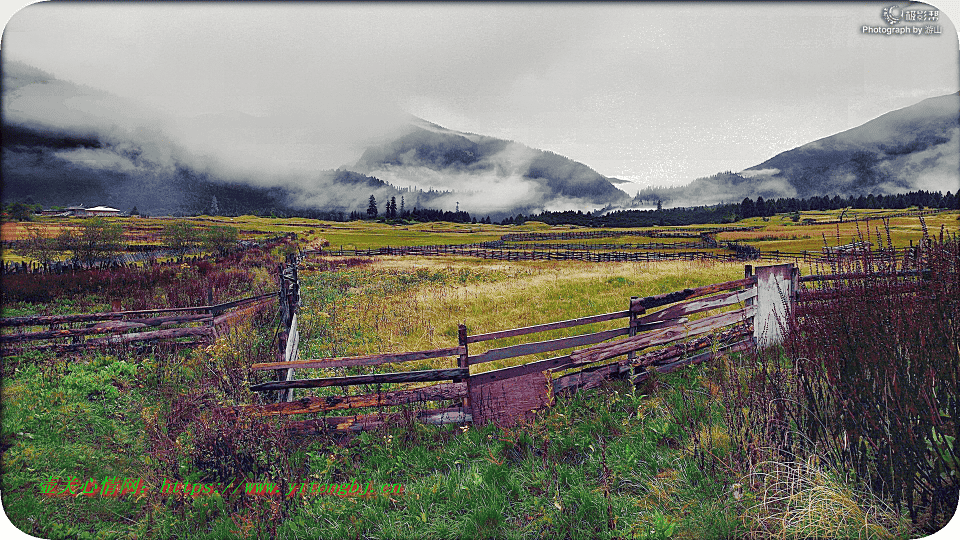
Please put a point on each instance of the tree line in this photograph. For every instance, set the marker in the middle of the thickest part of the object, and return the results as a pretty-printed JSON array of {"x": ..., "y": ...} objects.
[
  {"x": 733, "y": 212},
  {"x": 394, "y": 213}
]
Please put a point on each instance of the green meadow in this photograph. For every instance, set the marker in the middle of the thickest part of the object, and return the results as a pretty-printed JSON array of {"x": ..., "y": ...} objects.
[{"x": 672, "y": 458}]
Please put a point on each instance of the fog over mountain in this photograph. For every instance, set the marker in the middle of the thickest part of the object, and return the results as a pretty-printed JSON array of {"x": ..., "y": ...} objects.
[
  {"x": 65, "y": 143},
  {"x": 487, "y": 174},
  {"x": 69, "y": 144},
  {"x": 914, "y": 148}
]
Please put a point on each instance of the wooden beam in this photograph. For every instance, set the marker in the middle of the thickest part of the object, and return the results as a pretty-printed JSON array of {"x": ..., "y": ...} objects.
[
  {"x": 549, "y": 326},
  {"x": 204, "y": 331},
  {"x": 546, "y": 346},
  {"x": 353, "y": 361},
  {"x": 515, "y": 371},
  {"x": 401, "y": 377}
]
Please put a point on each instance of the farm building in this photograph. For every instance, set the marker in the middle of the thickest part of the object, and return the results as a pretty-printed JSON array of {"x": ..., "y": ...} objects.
[
  {"x": 80, "y": 211},
  {"x": 103, "y": 211}
]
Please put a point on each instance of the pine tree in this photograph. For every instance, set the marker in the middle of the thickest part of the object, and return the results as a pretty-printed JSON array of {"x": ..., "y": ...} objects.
[
  {"x": 372, "y": 208},
  {"x": 214, "y": 207}
]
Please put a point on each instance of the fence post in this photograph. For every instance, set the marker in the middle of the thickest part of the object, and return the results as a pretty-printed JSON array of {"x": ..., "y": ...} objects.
[
  {"x": 634, "y": 300},
  {"x": 463, "y": 362},
  {"x": 775, "y": 291}
]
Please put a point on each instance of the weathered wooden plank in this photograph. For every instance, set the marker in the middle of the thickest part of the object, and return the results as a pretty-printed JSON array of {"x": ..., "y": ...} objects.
[
  {"x": 699, "y": 305},
  {"x": 353, "y": 361},
  {"x": 43, "y": 320},
  {"x": 203, "y": 331},
  {"x": 290, "y": 355},
  {"x": 546, "y": 346},
  {"x": 566, "y": 362},
  {"x": 449, "y": 416},
  {"x": 228, "y": 319},
  {"x": 558, "y": 362},
  {"x": 436, "y": 392},
  {"x": 173, "y": 319},
  {"x": 594, "y": 376},
  {"x": 659, "y": 300},
  {"x": 549, "y": 326},
  {"x": 400, "y": 377},
  {"x": 104, "y": 327},
  {"x": 660, "y": 356},
  {"x": 660, "y": 337}
]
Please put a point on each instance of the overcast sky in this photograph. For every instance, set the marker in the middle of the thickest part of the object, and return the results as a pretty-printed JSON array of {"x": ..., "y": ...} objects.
[{"x": 656, "y": 93}]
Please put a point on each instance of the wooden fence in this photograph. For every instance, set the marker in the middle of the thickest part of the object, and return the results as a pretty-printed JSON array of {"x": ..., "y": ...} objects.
[
  {"x": 132, "y": 255},
  {"x": 67, "y": 333},
  {"x": 658, "y": 334},
  {"x": 741, "y": 253}
]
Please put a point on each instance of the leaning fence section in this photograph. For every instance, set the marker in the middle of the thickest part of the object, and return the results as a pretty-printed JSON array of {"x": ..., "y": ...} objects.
[
  {"x": 662, "y": 332},
  {"x": 172, "y": 327}
]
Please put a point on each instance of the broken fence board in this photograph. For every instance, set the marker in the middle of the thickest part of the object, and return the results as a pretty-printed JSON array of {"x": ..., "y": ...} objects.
[
  {"x": 699, "y": 305},
  {"x": 353, "y": 361},
  {"x": 586, "y": 378},
  {"x": 559, "y": 362},
  {"x": 661, "y": 337},
  {"x": 594, "y": 376},
  {"x": 659, "y": 300},
  {"x": 228, "y": 319},
  {"x": 400, "y": 377}
]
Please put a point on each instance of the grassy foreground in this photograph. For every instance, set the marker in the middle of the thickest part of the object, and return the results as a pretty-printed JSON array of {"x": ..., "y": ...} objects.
[
  {"x": 612, "y": 463},
  {"x": 665, "y": 461}
]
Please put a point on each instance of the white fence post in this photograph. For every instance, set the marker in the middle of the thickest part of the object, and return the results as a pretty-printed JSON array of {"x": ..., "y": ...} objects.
[{"x": 774, "y": 302}]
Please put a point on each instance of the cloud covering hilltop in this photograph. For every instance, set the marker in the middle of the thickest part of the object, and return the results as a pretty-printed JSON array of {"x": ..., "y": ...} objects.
[{"x": 59, "y": 134}]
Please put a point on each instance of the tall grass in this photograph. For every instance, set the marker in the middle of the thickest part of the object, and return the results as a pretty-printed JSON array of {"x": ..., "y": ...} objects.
[{"x": 878, "y": 364}]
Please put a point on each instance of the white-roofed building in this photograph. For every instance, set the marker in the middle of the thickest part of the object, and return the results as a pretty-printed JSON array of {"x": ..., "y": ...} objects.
[{"x": 102, "y": 211}]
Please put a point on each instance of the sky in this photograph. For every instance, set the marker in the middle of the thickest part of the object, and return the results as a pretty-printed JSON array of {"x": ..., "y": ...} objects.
[{"x": 655, "y": 93}]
